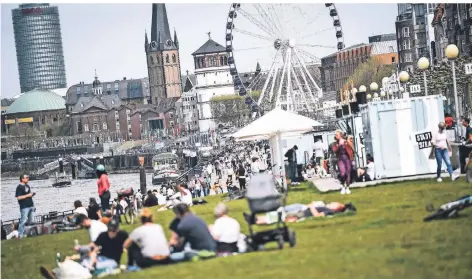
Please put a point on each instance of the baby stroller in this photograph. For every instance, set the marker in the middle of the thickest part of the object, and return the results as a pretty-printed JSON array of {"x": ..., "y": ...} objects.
[{"x": 263, "y": 197}]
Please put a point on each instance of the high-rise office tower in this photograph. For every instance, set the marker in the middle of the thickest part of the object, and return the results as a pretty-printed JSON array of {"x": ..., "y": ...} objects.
[{"x": 38, "y": 42}]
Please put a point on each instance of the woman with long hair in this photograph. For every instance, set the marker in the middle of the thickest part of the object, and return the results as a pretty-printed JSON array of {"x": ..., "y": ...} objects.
[
  {"x": 441, "y": 151},
  {"x": 344, "y": 151},
  {"x": 103, "y": 187}
]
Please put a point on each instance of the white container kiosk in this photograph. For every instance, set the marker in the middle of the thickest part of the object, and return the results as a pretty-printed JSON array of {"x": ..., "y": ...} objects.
[{"x": 398, "y": 134}]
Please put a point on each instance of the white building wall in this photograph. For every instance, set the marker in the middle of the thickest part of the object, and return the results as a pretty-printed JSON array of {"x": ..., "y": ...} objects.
[{"x": 211, "y": 82}]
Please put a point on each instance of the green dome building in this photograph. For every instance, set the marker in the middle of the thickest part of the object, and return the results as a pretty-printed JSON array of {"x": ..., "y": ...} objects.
[{"x": 36, "y": 108}]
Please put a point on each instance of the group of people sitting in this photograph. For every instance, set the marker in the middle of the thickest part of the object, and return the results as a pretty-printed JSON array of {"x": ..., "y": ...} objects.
[{"x": 191, "y": 238}]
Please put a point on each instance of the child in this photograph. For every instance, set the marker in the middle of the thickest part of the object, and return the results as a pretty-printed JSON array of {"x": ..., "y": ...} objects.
[{"x": 217, "y": 186}]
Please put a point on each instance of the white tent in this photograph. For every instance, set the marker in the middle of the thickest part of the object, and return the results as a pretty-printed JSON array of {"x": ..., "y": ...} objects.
[
  {"x": 273, "y": 126},
  {"x": 276, "y": 122}
]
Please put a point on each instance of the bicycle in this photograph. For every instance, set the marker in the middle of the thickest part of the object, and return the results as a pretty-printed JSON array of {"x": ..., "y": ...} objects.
[{"x": 128, "y": 205}]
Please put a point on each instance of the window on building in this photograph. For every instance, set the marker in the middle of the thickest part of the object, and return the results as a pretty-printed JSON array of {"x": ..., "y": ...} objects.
[
  {"x": 174, "y": 58},
  {"x": 221, "y": 61},
  {"x": 105, "y": 126},
  {"x": 225, "y": 60},
  {"x": 167, "y": 58},
  {"x": 406, "y": 32},
  {"x": 407, "y": 57},
  {"x": 151, "y": 60},
  {"x": 79, "y": 127},
  {"x": 203, "y": 62},
  {"x": 199, "y": 64},
  {"x": 86, "y": 129},
  {"x": 85, "y": 90},
  {"x": 406, "y": 44},
  {"x": 81, "y": 105},
  {"x": 78, "y": 90},
  {"x": 116, "y": 87},
  {"x": 108, "y": 88}
]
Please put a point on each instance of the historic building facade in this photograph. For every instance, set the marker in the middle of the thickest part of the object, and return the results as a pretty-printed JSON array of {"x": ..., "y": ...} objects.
[
  {"x": 213, "y": 79},
  {"x": 189, "y": 109},
  {"x": 162, "y": 55},
  {"x": 338, "y": 67}
]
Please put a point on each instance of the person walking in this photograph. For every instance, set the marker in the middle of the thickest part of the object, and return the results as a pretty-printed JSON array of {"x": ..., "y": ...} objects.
[
  {"x": 25, "y": 199},
  {"x": 291, "y": 155},
  {"x": 345, "y": 153},
  {"x": 318, "y": 152},
  {"x": 241, "y": 173},
  {"x": 103, "y": 187},
  {"x": 441, "y": 151}
]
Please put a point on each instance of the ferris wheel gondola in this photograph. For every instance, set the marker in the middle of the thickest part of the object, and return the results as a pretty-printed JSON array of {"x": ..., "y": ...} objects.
[{"x": 289, "y": 81}]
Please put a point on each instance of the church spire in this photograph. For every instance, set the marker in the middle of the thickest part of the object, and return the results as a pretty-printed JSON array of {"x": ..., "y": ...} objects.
[
  {"x": 160, "y": 24},
  {"x": 146, "y": 41},
  {"x": 258, "y": 69},
  {"x": 176, "y": 41}
]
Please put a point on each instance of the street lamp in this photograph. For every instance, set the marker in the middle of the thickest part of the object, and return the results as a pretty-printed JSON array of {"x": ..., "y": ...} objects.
[
  {"x": 404, "y": 77},
  {"x": 423, "y": 64},
  {"x": 369, "y": 96},
  {"x": 452, "y": 51}
]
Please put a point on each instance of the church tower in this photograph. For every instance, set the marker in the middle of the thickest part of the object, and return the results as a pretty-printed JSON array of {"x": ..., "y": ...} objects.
[{"x": 163, "y": 61}]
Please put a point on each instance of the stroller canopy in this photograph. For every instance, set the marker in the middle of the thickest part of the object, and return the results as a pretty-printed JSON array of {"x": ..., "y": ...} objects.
[{"x": 261, "y": 186}]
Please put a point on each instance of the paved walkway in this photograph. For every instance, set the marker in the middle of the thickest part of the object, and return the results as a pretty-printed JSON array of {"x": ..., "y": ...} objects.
[{"x": 330, "y": 184}]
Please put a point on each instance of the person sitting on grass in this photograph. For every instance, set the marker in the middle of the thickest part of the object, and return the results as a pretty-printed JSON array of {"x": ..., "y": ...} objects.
[
  {"x": 294, "y": 212},
  {"x": 79, "y": 209},
  {"x": 94, "y": 211},
  {"x": 226, "y": 231},
  {"x": 191, "y": 237},
  {"x": 309, "y": 172},
  {"x": 150, "y": 200},
  {"x": 14, "y": 232},
  {"x": 147, "y": 245},
  {"x": 182, "y": 196},
  {"x": 94, "y": 227},
  {"x": 102, "y": 255},
  {"x": 367, "y": 173}
]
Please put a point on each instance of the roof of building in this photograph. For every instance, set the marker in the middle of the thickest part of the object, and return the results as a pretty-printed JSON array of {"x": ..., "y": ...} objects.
[
  {"x": 123, "y": 89},
  {"x": 37, "y": 100},
  {"x": 345, "y": 49},
  {"x": 188, "y": 82},
  {"x": 384, "y": 47},
  {"x": 160, "y": 31},
  {"x": 105, "y": 102},
  {"x": 210, "y": 46}
]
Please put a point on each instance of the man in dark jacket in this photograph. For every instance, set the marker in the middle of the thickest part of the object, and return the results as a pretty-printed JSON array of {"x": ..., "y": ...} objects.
[{"x": 291, "y": 155}]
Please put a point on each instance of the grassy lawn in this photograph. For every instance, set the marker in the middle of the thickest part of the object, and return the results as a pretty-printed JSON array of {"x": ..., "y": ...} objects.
[{"x": 385, "y": 239}]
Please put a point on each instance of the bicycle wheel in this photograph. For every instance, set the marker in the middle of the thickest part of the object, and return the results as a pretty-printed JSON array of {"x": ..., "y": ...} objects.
[{"x": 128, "y": 214}]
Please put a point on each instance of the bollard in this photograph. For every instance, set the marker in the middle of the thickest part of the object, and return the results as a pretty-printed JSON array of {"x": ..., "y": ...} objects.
[
  {"x": 72, "y": 169},
  {"x": 61, "y": 166},
  {"x": 142, "y": 176}
]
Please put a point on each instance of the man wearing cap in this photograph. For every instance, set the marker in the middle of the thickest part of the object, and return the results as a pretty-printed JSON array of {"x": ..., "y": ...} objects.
[
  {"x": 147, "y": 245},
  {"x": 111, "y": 241}
]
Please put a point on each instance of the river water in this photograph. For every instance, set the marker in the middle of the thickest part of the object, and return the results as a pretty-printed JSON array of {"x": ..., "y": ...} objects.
[{"x": 49, "y": 199}]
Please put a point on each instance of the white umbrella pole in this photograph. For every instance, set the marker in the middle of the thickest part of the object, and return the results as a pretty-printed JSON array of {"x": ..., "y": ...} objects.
[{"x": 281, "y": 158}]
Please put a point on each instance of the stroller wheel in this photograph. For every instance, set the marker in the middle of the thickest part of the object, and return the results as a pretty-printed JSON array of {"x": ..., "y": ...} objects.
[
  {"x": 281, "y": 243},
  {"x": 292, "y": 238}
]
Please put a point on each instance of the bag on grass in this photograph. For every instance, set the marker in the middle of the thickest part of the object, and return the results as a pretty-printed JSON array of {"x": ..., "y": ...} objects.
[{"x": 69, "y": 269}]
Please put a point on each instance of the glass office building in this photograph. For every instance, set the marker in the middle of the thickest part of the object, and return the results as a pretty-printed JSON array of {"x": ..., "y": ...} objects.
[{"x": 38, "y": 44}]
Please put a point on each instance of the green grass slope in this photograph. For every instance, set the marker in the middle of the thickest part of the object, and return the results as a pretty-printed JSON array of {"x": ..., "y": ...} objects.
[{"x": 385, "y": 239}]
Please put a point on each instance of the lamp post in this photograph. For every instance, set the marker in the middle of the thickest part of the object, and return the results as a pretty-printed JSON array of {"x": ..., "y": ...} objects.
[
  {"x": 362, "y": 91},
  {"x": 404, "y": 77},
  {"x": 374, "y": 87},
  {"x": 452, "y": 51},
  {"x": 423, "y": 65}
]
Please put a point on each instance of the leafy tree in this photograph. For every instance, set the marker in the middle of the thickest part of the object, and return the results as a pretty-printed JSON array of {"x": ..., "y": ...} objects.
[
  {"x": 373, "y": 70},
  {"x": 231, "y": 109}
]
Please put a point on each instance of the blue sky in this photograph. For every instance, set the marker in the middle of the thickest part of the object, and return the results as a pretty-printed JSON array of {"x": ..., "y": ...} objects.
[{"x": 110, "y": 37}]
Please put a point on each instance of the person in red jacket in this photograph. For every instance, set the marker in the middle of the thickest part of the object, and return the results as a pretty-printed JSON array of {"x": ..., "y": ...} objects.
[
  {"x": 449, "y": 121},
  {"x": 103, "y": 187}
]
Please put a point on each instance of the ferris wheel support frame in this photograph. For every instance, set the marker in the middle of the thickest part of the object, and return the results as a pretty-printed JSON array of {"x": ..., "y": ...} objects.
[{"x": 290, "y": 52}]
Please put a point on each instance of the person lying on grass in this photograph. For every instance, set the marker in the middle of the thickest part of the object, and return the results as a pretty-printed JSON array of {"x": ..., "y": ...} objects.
[
  {"x": 294, "y": 212},
  {"x": 147, "y": 245},
  {"x": 190, "y": 237},
  {"x": 226, "y": 231}
]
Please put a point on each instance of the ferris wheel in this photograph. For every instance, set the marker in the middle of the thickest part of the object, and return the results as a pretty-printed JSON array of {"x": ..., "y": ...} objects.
[{"x": 288, "y": 40}]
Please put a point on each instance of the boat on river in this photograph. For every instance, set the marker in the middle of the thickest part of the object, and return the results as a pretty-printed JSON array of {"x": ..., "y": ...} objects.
[
  {"x": 62, "y": 180},
  {"x": 35, "y": 176}
]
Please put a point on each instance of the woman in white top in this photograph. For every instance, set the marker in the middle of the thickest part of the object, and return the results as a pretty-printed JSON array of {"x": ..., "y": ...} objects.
[
  {"x": 442, "y": 149},
  {"x": 226, "y": 231}
]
